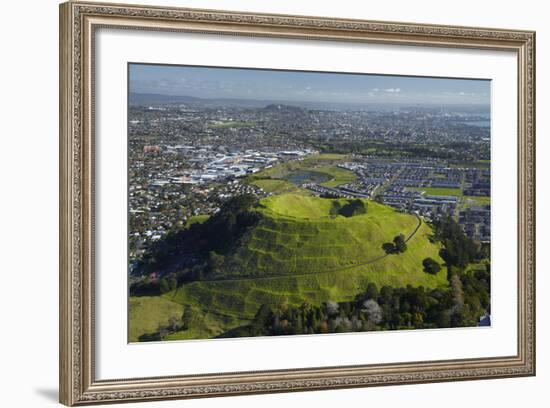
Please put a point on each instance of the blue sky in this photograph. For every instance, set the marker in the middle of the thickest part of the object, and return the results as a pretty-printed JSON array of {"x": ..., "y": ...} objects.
[{"x": 305, "y": 86}]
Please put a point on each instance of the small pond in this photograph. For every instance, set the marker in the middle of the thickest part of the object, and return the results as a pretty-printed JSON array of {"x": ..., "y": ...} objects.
[{"x": 300, "y": 177}]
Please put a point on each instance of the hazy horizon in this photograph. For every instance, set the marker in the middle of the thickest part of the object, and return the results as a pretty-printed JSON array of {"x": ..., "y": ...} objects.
[{"x": 305, "y": 87}]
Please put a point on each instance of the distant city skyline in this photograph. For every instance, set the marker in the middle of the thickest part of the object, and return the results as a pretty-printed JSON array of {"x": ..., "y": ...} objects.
[{"x": 310, "y": 87}]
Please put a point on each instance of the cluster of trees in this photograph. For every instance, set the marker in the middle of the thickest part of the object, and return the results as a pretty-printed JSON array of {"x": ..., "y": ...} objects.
[
  {"x": 459, "y": 250},
  {"x": 431, "y": 266},
  {"x": 351, "y": 208},
  {"x": 398, "y": 246},
  {"x": 227, "y": 226},
  {"x": 386, "y": 309},
  {"x": 196, "y": 252}
]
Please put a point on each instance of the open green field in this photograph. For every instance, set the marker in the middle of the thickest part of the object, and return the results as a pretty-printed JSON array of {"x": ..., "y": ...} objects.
[
  {"x": 440, "y": 191},
  {"x": 325, "y": 157},
  {"x": 148, "y": 312},
  {"x": 274, "y": 179},
  {"x": 206, "y": 324},
  {"x": 338, "y": 175},
  {"x": 276, "y": 186},
  {"x": 479, "y": 200},
  {"x": 474, "y": 201}
]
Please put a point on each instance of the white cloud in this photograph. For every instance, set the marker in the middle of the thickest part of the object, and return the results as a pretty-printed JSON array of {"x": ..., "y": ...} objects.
[{"x": 392, "y": 90}]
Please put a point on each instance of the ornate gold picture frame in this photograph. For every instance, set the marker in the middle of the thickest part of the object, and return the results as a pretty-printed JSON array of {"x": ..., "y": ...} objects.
[{"x": 78, "y": 24}]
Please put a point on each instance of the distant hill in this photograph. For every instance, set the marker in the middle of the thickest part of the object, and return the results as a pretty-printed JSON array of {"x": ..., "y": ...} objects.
[
  {"x": 146, "y": 99},
  {"x": 278, "y": 107},
  {"x": 138, "y": 99}
]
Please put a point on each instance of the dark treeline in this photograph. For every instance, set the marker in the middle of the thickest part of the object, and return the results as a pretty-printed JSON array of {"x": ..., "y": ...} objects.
[
  {"x": 196, "y": 252},
  {"x": 458, "y": 249},
  {"x": 398, "y": 246},
  {"x": 388, "y": 309}
]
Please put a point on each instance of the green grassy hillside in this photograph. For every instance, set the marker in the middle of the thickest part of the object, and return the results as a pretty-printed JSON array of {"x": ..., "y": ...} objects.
[
  {"x": 146, "y": 313},
  {"x": 243, "y": 297},
  {"x": 301, "y": 235},
  {"x": 303, "y": 250},
  {"x": 149, "y": 313}
]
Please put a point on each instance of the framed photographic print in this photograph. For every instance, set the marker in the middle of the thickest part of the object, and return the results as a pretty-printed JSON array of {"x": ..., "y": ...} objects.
[{"x": 260, "y": 203}]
